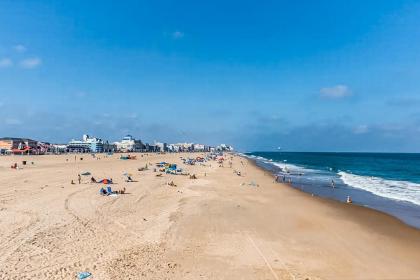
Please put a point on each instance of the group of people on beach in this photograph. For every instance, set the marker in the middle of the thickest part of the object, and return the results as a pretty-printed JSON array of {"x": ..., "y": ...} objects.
[{"x": 289, "y": 180}]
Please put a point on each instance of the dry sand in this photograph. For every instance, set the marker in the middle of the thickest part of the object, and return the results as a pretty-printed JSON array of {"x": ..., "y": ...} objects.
[{"x": 215, "y": 227}]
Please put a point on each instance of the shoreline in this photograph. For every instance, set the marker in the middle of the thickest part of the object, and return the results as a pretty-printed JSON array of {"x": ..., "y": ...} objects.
[
  {"x": 336, "y": 203},
  {"x": 368, "y": 200},
  {"x": 218, "y": 226}
]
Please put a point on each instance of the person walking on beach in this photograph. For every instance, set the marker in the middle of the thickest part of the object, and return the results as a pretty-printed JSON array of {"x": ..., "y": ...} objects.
[
  {"x": 333, "y": 183},
  {"x": 79, "y": 178}
]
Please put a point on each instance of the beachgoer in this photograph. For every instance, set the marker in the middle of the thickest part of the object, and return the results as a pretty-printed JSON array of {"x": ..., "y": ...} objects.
[
  {"x": 92, "y": 180},
  {"x": 349, "y": 199},
  {"x": 332, "y": 183},
  {"x": 79, "y": 178}
]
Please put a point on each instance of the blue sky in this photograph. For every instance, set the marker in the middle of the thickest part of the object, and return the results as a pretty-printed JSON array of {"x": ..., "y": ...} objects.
[{"x": 302, "y": 75}]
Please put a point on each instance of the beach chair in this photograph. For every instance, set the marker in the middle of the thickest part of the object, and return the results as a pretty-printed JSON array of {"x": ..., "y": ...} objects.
[{"x": 109, "y": 190}]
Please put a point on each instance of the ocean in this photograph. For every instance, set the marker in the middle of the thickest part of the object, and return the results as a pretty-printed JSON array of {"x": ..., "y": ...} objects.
[{"x": 388, "y": 182}]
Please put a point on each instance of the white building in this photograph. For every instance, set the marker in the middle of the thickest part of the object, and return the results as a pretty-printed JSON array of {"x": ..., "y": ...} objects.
[
  {"x": 129, "y": 144},
  {"x": 87, "y": 144},
  {"x": 224, "y": 147},
  {"x": 162, "y": 146}
]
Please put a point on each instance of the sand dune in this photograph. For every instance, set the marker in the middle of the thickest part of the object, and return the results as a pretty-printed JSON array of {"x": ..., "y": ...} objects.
[{"x": 218, "y": 226}]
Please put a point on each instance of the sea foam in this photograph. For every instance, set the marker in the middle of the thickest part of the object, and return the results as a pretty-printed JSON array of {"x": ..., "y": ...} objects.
[{"x": 398, "y": 190}]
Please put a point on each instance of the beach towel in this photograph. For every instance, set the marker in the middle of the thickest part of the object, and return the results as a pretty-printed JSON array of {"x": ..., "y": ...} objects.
[{"x": 83, "y": 275}]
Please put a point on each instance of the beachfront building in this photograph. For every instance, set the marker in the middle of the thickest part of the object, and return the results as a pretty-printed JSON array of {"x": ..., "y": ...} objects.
[
  {"x": 224, "y": 148},
  {"x": 151, "y": 148},
  {"x": 163, "y": 147},
  {"x": 109, "y": 147},
  {"x": 86, "y": 145},
  {"x": 57, "y": 148},
  {"x": 18, "y": 145},
  {"x": 129, "y": 144},
  {"x": 187, "y": 147},
  {"x": 200, "y": 148}
]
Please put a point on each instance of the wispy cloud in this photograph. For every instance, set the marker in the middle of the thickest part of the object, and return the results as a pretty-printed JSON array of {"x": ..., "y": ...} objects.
[
  {"x": 361, "y": 129},
  {"x": 404, "y": 101},
  {"x": 5, "y": 62},
  {"x": 335, "y": 92},
  {"x": 30, "y": 63},
  {"x": 178, "y": 35},
  {"x": 11, "y": 121},
  {"x": 19, "y": 48}
]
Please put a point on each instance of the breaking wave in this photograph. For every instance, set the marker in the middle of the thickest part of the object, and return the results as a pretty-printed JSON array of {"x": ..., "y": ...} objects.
[{"x": 398, "y": 190}]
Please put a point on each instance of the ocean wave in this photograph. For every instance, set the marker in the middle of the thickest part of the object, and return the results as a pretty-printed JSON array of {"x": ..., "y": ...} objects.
[
  {"x": 281, "y": 165},
  {"x": 398, "y": 190}
]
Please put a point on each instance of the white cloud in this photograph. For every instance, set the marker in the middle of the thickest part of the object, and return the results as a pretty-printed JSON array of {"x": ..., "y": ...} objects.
[
  {"x": 30, "y": 63},
  {"x": 361, "y": 129},
  {"x": 5, "y": 62},
  {"x": 11, "y": 121},
  {"x": 132, "y": 116},
  {"x": 335, "y": 92},
  {"x": 178, "y": 34},
  {"x": 20, "y": 48}
]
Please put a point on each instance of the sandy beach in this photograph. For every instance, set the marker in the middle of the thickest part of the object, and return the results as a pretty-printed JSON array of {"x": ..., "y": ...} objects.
[{"x": 218, "y": 226}]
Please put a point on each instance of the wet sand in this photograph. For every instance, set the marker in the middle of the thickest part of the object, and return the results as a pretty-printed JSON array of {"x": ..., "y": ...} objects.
[{"x": 219, "y": 226}]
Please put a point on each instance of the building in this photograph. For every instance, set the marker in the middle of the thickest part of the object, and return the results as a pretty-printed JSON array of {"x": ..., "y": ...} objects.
[
  {"x": 224, "y": 147},
  {"x": 57, "y": 148},
  {"x": 109, "y": 147},
  {"x": 151, "y": 148},
  {"x": 129, "y": 144},
  {"x": 86, "y": 145},
  {"x": 17, "y": 145},
  {"x": 162, "y": 147}
]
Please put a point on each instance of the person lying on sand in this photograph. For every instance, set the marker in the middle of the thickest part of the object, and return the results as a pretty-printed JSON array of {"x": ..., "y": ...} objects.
[
  {"x": 122, "y": 191},
  {"x": 172, "y": 184},
  {"x": 129, "y": 179}
]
